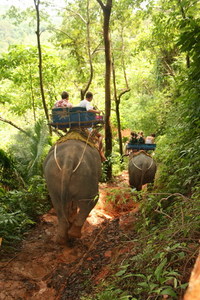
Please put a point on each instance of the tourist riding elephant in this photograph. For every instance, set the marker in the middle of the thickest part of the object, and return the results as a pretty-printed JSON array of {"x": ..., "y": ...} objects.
[
  {"x": 72, "y": 171},
  {"x": 141, "y": 169}
]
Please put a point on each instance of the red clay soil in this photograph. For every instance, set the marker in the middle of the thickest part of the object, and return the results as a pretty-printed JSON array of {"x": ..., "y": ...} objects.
[{"x": 43, "y": 270}]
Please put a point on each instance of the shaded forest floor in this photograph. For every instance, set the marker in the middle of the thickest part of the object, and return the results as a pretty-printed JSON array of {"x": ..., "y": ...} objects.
[{"x": 41, "y": 269}]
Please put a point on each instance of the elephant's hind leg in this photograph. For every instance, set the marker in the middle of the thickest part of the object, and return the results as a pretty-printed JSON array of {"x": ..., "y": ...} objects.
[
  {"x": 72, "y": 212},
  {"x": 62, "y": 230},
  {"x": 75, "y": 231},
  {"x": 85, "y": 206}
]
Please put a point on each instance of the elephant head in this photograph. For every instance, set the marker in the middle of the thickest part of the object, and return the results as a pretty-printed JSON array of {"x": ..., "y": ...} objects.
[
  {"x": 72, "y": 171},
  {"x": 141, "y": 169}
]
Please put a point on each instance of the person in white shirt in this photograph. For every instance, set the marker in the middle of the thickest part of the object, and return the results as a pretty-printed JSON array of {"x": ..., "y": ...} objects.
[
  {"x": 150, "y": 139},
  {"x": 86, "y": 103}
]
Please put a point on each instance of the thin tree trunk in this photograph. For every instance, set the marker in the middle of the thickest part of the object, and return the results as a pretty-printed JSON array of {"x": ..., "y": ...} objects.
[
  {"x": 117, "y": 103},
  {"x": 118, "y": 97},
  {"x": 83, "y": 91},
  {"x": 37, "y": 3},
  {"x": 108, "y": 132},
  {"x": 32, "y": 95},
  {"x": 119, "y": 128}
]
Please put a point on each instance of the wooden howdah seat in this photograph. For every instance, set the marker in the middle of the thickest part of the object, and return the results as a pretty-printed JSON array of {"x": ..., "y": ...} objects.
[{"x": 74, "y": 117}]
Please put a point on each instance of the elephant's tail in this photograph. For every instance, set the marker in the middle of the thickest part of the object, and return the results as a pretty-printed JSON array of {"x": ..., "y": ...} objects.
[
  {"x": 141, "y": 180},
  {"x": 66, "y": 198},
  {"x": 144, "y": 171}
]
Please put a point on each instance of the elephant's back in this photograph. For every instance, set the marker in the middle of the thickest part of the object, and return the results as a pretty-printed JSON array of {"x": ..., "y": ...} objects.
[
  {"x": 74, "y": 168},
  {"x": 142, "y": 169},
  {"x": 142, "y": 162},
  {"x": 72, "y": 153}
]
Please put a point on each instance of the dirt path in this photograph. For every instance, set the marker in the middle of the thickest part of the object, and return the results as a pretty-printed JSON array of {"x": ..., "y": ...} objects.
[{"x": 43, "y": 270}]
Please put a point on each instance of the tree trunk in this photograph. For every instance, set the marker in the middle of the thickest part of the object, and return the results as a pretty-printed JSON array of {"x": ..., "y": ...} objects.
[
  {"x": 83, "y": 91},
  {"x": 32, "y": 94},
  {"x": 117, "y": 103},
  {"x": 37, "y": 2},
  {"x": 119, "y": 128},
  {"x": 118, "y": 97},
  {"x": 108, "y": 132}
]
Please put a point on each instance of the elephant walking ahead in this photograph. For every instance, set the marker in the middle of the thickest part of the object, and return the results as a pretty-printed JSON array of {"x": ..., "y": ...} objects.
[
  {"x": 72, "y": 171},
  {"x": 141, "y": 169}
]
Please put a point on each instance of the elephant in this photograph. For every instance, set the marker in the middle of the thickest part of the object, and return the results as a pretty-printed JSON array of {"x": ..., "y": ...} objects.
[
  {"x": 141, "y": 169},
  {"x": 72, "y": 171}
]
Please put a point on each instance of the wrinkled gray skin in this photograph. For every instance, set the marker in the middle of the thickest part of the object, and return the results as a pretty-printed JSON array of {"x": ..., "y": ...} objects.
[
  {"x": 74, "y": 188},
  {"x": 141, "y": 169}
]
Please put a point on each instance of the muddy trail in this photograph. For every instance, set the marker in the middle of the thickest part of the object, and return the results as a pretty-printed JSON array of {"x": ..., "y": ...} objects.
[{"x": 43, "y": 270}]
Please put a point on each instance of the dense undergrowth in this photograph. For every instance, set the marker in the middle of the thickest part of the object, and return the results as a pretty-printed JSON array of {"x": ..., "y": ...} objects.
[
  {"x": 164, "y": 251},
  {"x": 20, "y": 209}
]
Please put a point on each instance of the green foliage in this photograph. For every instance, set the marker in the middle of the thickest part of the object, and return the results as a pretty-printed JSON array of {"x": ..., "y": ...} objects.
[
  {"x": 117, "y": 164},
  {"x": 29, "y": 150},
  {"x": 164, "y": 230},
  {"x": 5, "y": 161},
  {"x": 13, "y": 224},
  {"x": 9, "y": 178},
  {"x": 155, "y": 284},
  {"x": 182, "y": 175},
  {"x": 20, "y": 209},
  {"x": 118, "y": 197},
  {"x": 105, "y": 166},
  {"x": 20, "y": 78},
  {"x": 110, "y": 293},
  {"x": 163, "y": 246}
]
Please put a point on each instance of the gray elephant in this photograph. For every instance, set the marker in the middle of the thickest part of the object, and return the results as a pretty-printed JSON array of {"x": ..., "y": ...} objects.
[
  {"x": 141, "y": 169},
  {"x": 72, "y": 171}
]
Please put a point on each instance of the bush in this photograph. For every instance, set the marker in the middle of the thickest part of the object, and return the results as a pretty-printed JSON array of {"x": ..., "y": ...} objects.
[
  {"x": 9, "y": 178},
  {"x": 20, "y": 209},
  {"x": 166, "y": 237}
]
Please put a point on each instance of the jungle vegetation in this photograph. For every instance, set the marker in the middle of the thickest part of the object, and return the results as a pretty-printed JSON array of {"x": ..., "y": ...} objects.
[{"x": 141, "y": 60}]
